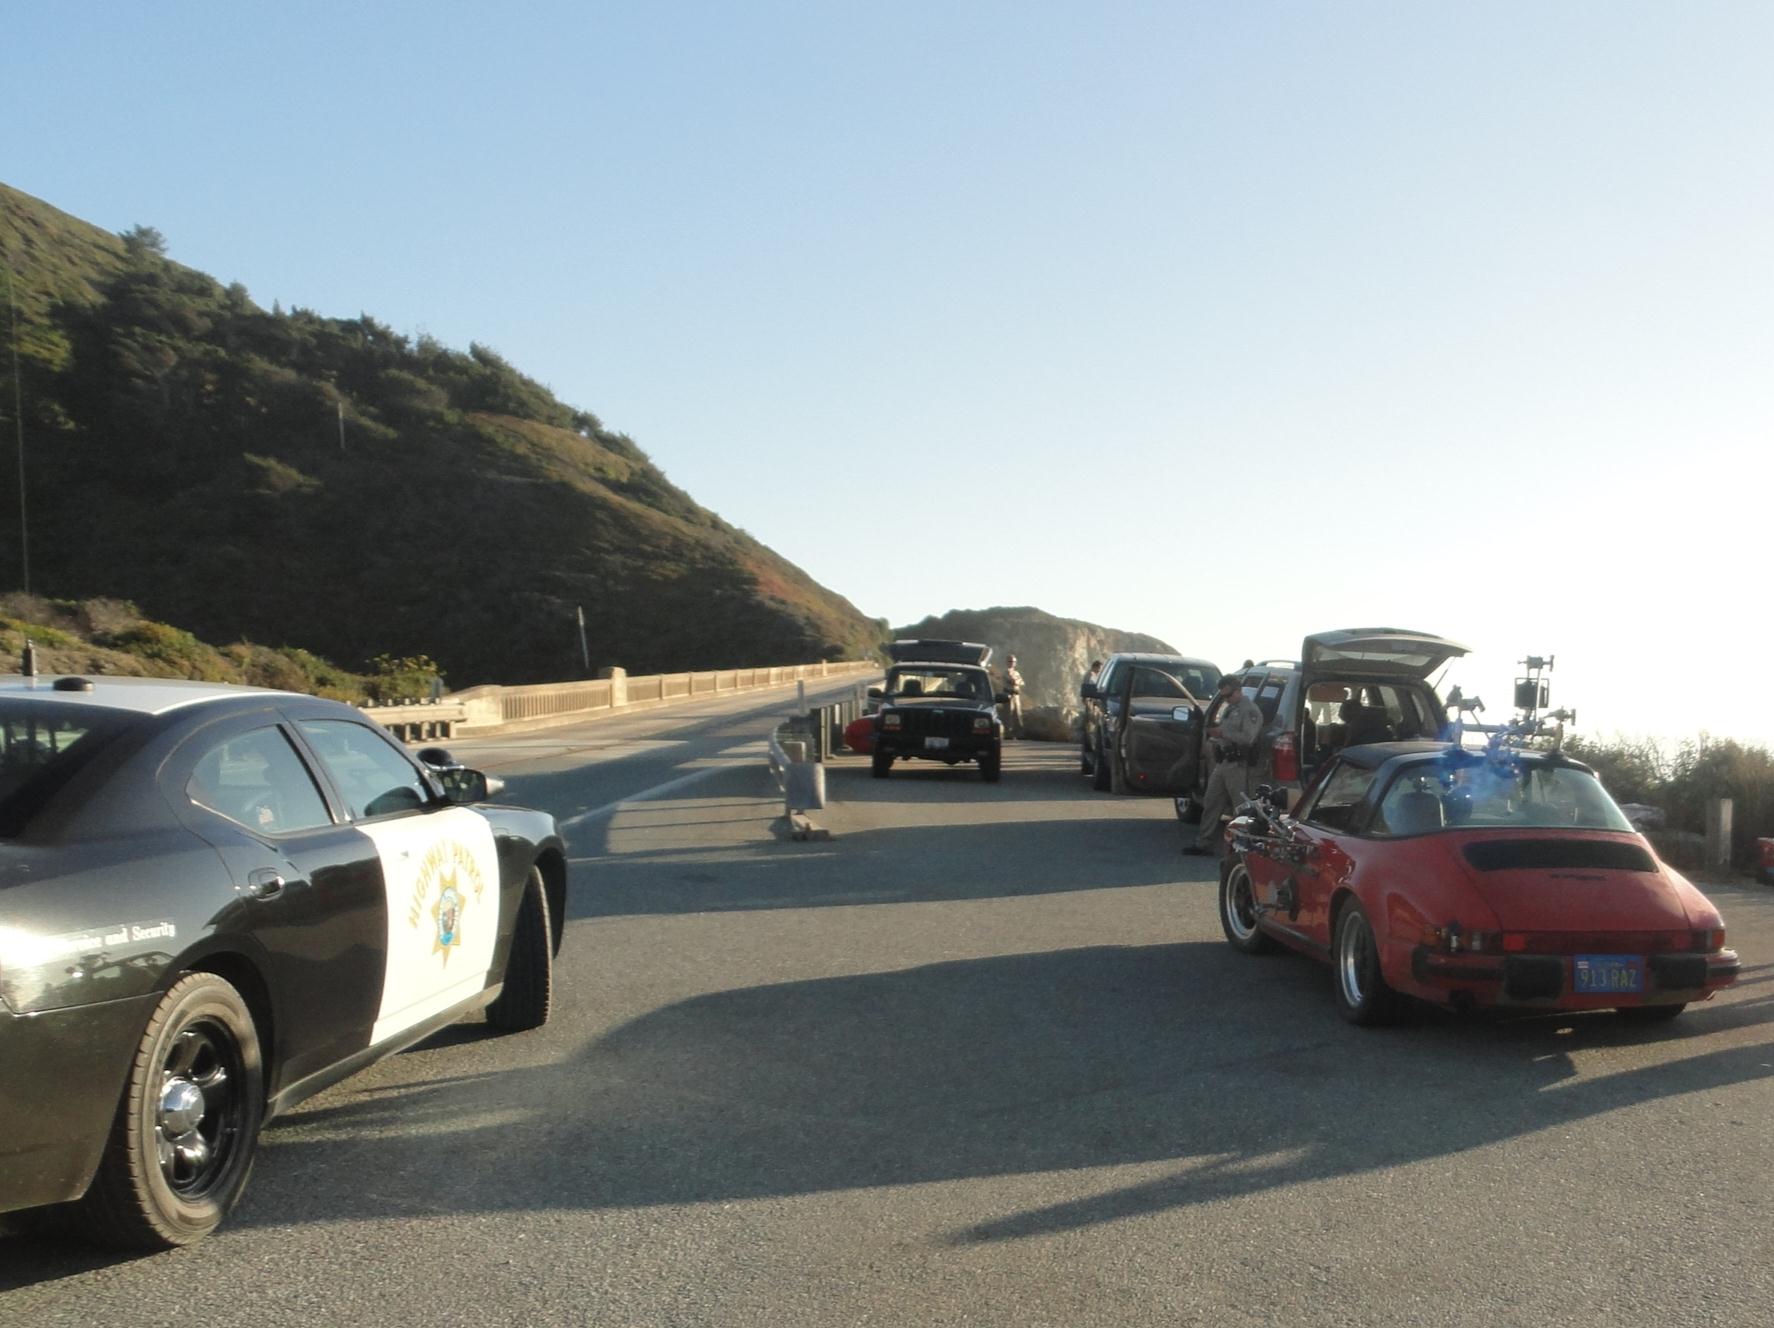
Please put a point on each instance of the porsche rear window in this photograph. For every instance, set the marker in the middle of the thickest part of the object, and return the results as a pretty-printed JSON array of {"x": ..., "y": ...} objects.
[
  {"x": 42, "y": 746},
  {"x": 1436, "y": 795}
]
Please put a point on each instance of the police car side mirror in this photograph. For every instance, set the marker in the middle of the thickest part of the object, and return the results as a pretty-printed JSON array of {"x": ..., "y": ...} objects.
[
  {"x": 462, "y": 785},
  {"x": 1183, "y": 714},
  {"x": 1088, "y": 690},
  {"x": 1002, "y": 698},
  {"x": 876, "y": 693}
]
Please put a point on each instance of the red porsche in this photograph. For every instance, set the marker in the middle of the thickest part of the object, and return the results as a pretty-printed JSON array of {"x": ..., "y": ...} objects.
[{"x": 1471, "y": 879}]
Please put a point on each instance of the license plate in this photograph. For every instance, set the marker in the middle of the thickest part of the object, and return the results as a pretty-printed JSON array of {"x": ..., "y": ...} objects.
[
  {"x": 935, "y": 744},
  {"x": 1610, "y": 974}
]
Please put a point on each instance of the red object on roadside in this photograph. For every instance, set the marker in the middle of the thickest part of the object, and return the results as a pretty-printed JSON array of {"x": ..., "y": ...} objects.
[
  {"x": 1765, "y": 867},
  {"x": 859, "y": 735}
]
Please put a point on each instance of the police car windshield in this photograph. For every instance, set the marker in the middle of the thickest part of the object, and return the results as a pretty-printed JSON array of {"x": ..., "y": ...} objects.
[{"x": 42, "y": 746}]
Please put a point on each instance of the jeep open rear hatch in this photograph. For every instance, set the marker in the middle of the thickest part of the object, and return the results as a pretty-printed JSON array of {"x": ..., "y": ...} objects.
[
  {"x": 939, "y": 652},
  {"x": 1379, "y": 651}
]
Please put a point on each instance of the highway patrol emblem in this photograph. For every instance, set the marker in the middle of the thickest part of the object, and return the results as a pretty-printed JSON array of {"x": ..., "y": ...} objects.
[{"x": 448, "y": 885}]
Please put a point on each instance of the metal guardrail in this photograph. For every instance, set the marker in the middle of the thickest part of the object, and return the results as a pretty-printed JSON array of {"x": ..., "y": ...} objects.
[
  {"x": 494, "y": 709},
  {"x": 419, "y": 721}
]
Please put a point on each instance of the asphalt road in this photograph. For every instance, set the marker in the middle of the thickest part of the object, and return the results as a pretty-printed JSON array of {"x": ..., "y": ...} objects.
[{"x": 981, "y": 1058}]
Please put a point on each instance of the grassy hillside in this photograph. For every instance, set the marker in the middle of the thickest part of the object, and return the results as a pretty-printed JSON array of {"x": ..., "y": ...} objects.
[
  {"x": 107, "y": 636},
  {"x": 184, "y": 452}
]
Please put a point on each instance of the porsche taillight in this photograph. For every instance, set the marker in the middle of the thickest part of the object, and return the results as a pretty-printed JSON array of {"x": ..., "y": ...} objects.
[
  {"x": 1708, "y": 941},
  {"x": 1286, "y": 758}
]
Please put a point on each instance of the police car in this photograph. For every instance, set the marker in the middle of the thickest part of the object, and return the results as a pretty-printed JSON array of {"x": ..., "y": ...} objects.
[{"x": 216, "y": 901}]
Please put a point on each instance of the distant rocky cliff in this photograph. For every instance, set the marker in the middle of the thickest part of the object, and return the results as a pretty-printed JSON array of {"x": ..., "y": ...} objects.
[{"x": 1052, "y": 655}]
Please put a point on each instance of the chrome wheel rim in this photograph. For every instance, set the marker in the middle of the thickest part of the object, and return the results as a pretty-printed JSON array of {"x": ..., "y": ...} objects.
[
  {"x": 1355, "y": 957},
  {"x": 200, "y": 1110},
  {"x": 1240, "y": 904}
]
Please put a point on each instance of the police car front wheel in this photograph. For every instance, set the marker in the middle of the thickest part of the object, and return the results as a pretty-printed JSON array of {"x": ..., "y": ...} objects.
[{"x": 528, "y": 995}]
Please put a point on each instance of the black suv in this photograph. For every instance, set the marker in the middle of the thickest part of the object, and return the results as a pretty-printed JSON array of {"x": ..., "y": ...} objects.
[
  {"x": 1348, "y": 688},
  {"x": 938, "y": 705},
  {"x": 1142, "y": 722}
]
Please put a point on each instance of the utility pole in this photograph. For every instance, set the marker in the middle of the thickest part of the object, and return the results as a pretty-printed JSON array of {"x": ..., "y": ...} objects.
[
  {"x": 584, "y": 649},
  {"x": 18, "y": 417},
  {"x": 341, "y": 424}
]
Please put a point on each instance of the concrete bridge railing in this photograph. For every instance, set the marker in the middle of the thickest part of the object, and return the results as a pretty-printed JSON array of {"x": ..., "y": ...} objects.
[{"x": 497, "y": 709}]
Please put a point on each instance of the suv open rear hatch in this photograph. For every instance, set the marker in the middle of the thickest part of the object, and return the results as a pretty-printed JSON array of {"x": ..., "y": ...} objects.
[
  {"x": 1380, "y": 652},
  {"x": 940, "y": 652}
]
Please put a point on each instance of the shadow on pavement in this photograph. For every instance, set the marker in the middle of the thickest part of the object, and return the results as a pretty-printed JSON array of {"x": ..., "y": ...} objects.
[
  {"x": 1051, "y": 1062},
  {"x": 1067, "y": 1060},
  {"x": 915, "y": 857}
]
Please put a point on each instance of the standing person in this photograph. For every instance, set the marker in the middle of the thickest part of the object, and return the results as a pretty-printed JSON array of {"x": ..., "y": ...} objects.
[
  {"x": 1228, "y": 783},
  {"x": 1013, "y": 705},
  {"x": 1095, "y": 671}
]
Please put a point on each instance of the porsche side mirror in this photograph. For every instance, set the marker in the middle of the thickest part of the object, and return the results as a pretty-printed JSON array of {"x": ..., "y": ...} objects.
[
  {"x": 1275, "y": 797},
  {"x": 438, "y": 758}
]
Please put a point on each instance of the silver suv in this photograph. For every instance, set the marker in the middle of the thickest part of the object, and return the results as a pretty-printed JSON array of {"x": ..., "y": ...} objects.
[{"x": 1349, "y": 687}]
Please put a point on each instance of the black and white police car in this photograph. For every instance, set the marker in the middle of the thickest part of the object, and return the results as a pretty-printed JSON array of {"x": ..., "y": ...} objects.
[{"x": 216, "y": 901}]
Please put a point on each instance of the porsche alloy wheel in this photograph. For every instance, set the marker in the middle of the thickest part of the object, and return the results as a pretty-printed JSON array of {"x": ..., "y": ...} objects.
[
  {"x": 1238, "y": 909},
  {"x": 181, "y": 1147},
  {"x": 1362, "y": 994}
]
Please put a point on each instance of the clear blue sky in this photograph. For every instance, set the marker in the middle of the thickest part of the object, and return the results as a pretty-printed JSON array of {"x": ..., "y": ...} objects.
[{"x": 1225, "y": 322}]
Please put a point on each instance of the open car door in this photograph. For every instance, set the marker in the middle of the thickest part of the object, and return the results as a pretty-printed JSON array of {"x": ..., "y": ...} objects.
[{"x": 1160, "y": 728}]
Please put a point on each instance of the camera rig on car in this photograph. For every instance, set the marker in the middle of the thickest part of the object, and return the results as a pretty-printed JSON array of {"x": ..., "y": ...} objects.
[{"x": 1532, "y": 723}]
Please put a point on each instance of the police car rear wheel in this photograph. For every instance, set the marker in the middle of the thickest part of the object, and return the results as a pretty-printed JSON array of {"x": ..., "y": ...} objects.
[
  {"x": 528, "y": 997},
  {"x": 181, "y": 1147}
]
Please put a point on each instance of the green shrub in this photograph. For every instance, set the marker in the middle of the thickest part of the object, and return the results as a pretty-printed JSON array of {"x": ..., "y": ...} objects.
[
  {"x": 409, "y": 677},
  {"x": 179, "y": 653},
  {"x": 1683, "y": 780}
]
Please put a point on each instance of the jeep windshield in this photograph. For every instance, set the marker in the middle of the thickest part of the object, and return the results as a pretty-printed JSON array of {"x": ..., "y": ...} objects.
[{"x": 933, "y": 682}]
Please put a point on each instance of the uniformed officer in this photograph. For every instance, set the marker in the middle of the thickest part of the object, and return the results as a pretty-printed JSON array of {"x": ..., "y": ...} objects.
[
  {"x": 1228, "y": 783},
  {"x": 1013, "y": 707}
]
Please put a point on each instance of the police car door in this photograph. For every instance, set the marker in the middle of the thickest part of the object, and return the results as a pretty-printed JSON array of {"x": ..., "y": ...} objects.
[
  {"x": 310, "y": 888},
  {"x": 439, "y": 870}
]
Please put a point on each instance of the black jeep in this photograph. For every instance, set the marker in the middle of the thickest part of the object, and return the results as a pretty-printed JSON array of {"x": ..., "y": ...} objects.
[{"x": 938, "y": 705}]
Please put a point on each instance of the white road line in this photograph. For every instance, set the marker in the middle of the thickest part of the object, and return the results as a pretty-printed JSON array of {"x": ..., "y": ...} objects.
[{"x": 751, "y": 750}]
